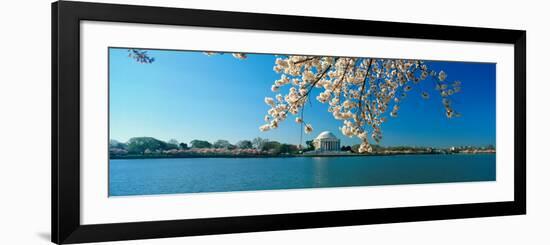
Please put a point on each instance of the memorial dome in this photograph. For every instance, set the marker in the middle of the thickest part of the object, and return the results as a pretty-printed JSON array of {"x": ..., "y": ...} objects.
[{"x": 326, "y": 135}]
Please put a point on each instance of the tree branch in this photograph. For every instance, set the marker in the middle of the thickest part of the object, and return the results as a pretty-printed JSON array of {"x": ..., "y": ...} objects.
[
  {"x": 304, "y": 60},
  {"x": 360, "y": 108},
  {"x": 316, "y": 81}
]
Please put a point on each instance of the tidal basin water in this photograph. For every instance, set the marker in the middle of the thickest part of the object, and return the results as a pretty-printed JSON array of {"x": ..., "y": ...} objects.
[{"x": 193, "y": 175}]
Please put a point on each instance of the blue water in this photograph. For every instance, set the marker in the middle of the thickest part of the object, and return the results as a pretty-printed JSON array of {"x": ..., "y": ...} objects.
[{"x": 192, "y": 175}]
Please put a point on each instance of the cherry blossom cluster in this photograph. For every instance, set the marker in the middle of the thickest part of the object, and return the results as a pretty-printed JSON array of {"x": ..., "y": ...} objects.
[{"x": 359, "y": 91}]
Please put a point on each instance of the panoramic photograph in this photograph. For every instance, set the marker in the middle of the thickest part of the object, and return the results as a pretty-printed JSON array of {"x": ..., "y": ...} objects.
[{"x": 183, "y": 121}]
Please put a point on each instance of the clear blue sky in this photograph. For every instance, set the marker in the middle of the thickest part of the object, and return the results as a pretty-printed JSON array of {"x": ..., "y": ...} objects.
[{"x": 187, "y": 95}]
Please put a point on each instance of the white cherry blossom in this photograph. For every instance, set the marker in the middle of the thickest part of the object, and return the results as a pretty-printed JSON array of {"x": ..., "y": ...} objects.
[{"x": 358, "y": 91}]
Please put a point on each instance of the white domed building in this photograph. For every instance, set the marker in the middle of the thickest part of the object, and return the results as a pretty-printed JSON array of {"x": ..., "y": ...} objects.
[{"x": 326, "y": 141}]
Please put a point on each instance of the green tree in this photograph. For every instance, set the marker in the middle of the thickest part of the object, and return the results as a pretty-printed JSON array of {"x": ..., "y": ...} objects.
[
  {"x": 310, "y": 146},
  {"x": 272, "y": 147},
  {"x": 115, "y": 144},
  {"x": 117, "y": 148},
  {"x": 183, "y": 146},
  {"x": 138, "y": 145},
  {"x": 200, "y": 144},
  {"x": 222, "y": 144},
  {"x": 287, "y": 149},
  {"x": 170, "y": 146},
  {"x": 345, "y": 148},
  {"x": 258, "y": 143},
  {"x": 244, "y": 144}
]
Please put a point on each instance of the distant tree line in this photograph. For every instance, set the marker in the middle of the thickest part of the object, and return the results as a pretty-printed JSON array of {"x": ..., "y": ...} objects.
[
  {"x": 139, "y": 146},
  {"x": 149, "y": 145}
]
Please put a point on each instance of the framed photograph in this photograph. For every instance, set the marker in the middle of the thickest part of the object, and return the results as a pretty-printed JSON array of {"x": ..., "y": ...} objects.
[{"x": 174, "y": 122}]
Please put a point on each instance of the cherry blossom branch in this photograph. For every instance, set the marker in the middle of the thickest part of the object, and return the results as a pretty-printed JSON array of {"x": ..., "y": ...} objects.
[
  {"x": 360, "y": 108},
  {"x": 315, "y": 83}
]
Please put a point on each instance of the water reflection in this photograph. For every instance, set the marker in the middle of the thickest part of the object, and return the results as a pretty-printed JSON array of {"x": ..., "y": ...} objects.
[{"x": 320, "y": 171}]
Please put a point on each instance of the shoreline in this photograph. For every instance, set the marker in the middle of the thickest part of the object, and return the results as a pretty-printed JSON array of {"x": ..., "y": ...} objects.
[{"x": 152, "y": 156}]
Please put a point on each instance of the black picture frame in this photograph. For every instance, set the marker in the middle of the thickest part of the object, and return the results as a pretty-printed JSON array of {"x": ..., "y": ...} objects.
[{"x": 65, "y": 168}]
